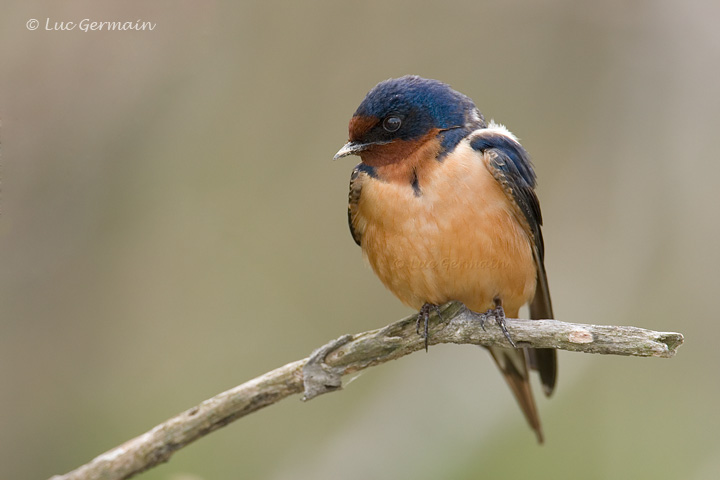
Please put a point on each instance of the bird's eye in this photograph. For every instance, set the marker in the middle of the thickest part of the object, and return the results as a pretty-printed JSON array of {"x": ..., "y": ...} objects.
[{"x": 392, "y": 124}]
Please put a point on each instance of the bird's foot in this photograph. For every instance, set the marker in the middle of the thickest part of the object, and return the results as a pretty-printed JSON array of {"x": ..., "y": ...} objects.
[
  {"x": 424, "y": 318},
  {"x": 498, "y": 314}
]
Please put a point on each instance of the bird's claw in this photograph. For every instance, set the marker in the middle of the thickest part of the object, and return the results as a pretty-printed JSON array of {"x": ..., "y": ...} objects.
[
  {"x": 424, "y": 318},
  {"x": 498, "y": 314}
]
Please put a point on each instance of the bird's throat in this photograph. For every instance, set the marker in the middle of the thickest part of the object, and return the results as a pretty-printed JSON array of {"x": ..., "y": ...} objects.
[{"x": 402, "y": 161}]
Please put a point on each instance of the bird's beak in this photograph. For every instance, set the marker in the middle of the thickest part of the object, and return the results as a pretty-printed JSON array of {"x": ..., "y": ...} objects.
[
  {"x": 354, "y": 148},
  {"x": 351, "y": 148}
]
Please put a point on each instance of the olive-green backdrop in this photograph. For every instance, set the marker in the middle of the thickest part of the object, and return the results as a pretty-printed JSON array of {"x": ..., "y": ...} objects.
[{"x": 172, "y": 224}]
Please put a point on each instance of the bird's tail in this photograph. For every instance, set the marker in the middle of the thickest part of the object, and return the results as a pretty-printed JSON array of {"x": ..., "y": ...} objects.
[{"x": 513, "y": 363}]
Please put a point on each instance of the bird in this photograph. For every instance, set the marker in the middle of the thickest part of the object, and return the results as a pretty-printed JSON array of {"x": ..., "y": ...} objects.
[{"x": 443, "y": 207}]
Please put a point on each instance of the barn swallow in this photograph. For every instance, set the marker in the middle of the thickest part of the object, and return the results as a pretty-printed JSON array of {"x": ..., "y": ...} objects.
[{"x": 443, "y": 206}]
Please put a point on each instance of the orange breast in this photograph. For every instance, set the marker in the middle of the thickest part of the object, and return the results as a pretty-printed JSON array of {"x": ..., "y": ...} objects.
[{"x": 459, "y": 240}]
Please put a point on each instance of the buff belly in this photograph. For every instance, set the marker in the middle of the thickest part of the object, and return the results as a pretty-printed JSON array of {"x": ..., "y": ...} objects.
[{"x": 458, "y": 240}]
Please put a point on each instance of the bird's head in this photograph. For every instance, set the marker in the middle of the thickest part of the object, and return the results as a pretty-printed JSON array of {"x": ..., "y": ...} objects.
[{"x": 400, "y": 115}]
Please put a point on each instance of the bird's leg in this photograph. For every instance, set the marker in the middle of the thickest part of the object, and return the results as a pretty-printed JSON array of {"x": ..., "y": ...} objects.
[
  {"x": 498, "y": 313},
  {"x": 424, "y": 317}
]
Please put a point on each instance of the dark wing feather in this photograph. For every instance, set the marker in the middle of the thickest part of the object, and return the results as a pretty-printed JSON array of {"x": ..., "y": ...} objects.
[
  {"x": 510, "y": 165},
  {"x": 356, "y": 181}
]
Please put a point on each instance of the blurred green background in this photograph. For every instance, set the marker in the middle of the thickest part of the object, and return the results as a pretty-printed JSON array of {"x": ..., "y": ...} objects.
[{"x": 173, "y": 225}]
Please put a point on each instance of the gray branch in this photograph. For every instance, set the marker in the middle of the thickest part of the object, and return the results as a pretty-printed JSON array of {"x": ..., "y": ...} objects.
[{"x": 322, "y": 372}]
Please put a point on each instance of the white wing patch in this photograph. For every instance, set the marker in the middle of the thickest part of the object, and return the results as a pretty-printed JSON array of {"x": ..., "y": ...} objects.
[{"x": 501, "y": 129}]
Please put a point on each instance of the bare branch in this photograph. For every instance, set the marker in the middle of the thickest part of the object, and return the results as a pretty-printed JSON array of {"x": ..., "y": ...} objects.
[{"x": 322, "y": 372}]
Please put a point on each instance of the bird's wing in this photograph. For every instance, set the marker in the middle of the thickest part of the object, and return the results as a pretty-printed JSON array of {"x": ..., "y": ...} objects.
[
  {"x": 510, "y": 165},
  {"x": 359, "y": 175}
]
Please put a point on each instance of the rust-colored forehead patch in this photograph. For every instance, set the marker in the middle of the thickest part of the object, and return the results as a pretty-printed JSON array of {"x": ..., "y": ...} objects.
[{"x": 360, "y": 125}]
